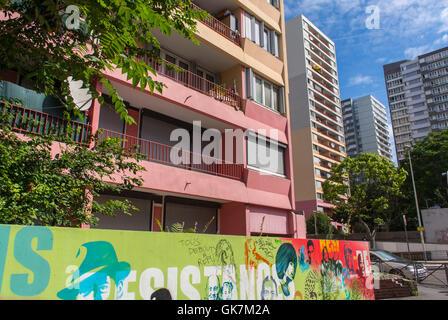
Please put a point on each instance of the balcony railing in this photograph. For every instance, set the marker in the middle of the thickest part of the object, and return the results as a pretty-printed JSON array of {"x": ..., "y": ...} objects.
[
  {"x": 220, "y": 27},
  {"x": 321, "y": 47},
  {"x": 196, "y": 82},
  {"x": 26, "y": 120},
  {"x": 329, "y": 98},
  {"x": 328, "y": 135},
  {"x": 320, "y": 64},
  {"x": 168, "y": 155},
  {"x": 327, "y": 85},
  {"x": 318, "y": 36},
  {"x": 325, "y": 104},
  {"x": 326, "y": 114}
]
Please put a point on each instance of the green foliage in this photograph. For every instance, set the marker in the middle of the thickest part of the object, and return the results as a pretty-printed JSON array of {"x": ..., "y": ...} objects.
[
  {"x": 320, "y": 221},
  {"x": 180, "y": 227},
  {"x": 38, "y": 188},
  {"x": 429, "y": 161},
  {"x": 366, "y": 190},
  {"x": 114, "y": 34}
]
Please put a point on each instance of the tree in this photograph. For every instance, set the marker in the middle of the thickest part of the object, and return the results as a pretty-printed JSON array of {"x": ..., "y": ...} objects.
[
  {"x": 365, "y": 190},
  {"x": 429, "y": 160},
  {"x": 320, "y": 221},
  {"x": 61, "y": 190},
  {"x": 48, "y": 41}
]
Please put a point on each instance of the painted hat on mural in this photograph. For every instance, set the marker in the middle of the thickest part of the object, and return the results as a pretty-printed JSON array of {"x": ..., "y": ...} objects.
[{"x": 97, "y": 257}]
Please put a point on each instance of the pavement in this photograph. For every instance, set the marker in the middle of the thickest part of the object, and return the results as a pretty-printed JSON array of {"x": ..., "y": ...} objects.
[{"x": 428, "y": 292}]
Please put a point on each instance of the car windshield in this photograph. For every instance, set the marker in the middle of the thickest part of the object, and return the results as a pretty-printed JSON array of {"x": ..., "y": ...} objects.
[{"x": 387, "y": 256}]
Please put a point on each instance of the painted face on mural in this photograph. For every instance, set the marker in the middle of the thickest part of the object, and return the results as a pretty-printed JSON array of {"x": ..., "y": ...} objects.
[
  {"x": 290, "y": 271},
  {"x": 361, "y": 265},
  {"x": 97, "y": 287},
  {"x": 310, "y": 249},
  {"x": 213, "y": 288},
  {"x": 227, "y": 288},
  {"x": 269, "y": 291}
]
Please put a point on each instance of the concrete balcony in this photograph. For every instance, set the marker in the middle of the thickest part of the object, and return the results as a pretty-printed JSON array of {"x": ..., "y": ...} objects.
[
  {"x": 195, "y": 82},
  {"x": 171, "y": 156},
  {"x": 25, "y": 120},
  {"x": 220, "y": 27}
]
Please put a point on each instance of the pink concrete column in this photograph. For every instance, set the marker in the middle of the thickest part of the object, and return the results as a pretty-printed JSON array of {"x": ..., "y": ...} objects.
[
  {"x": 132, "y": 129},
  {"x": 94, "y": 111},
  {"x": 233, "y": 219},
  {"x": 93, "y": 116},
  {"x": 88, "y": 209},
  {"x": 157, "y": 214}
]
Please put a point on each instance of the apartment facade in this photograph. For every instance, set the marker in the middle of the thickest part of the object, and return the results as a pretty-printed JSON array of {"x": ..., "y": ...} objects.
[
  {"x": 416, "y": 91},
  {"x": 434, "y": 70},
  {"x": 366, "y": 127},
  {"x": 316, "y": 116},
  {"x": 235, "y": 81}
]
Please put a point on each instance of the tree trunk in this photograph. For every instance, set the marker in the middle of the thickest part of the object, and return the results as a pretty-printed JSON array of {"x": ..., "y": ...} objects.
[{"x": 370, "y": 234}]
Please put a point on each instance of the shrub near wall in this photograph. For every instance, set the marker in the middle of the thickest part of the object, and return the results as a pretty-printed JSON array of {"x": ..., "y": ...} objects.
[{"x": 68, "y": 264}]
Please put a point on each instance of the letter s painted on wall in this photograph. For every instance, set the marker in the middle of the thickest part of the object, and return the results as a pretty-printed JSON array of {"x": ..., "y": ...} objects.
[{"x": 25, "y": 255}]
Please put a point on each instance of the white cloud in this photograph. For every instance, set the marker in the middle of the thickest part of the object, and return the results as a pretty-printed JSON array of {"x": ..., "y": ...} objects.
[
  {"x": 360, "y": 80},
  {"x": 442, "y": 40},
  {"x": 444, "y": 18},
  {"x": 398, "y": 17},
  {"x": 413, "y": 52}
]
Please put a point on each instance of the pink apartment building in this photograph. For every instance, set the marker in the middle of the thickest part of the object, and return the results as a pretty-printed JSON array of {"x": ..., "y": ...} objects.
[{"x": 236, "y": 79}]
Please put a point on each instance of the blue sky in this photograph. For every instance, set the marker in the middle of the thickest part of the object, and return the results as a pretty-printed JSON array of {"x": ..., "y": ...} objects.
[{"x": 407, "y": 28}]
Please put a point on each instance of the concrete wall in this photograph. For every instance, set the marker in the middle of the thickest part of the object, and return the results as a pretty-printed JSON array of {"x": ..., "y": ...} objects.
[{"x": 436, "y": 225}]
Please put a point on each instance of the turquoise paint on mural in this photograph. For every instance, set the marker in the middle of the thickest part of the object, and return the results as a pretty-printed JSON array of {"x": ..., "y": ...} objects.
[
  {"x": 30, "y": 259},
  {"x": 68, "y": 263},
  {"x": 4, "y": 239}
]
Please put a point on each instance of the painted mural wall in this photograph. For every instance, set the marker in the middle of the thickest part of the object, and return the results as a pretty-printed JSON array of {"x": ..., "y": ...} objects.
[{"x": 68, "y": 264}]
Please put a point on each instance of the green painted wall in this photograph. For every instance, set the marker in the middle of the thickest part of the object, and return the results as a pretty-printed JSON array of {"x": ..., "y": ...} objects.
[{"x": 65, "y": 263}]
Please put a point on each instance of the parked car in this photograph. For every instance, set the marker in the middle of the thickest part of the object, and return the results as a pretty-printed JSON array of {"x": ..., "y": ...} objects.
[{"x": 390, "y": 263}]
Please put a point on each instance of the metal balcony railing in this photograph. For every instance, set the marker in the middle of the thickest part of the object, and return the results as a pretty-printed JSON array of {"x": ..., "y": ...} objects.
[
  {"x": 193, "y": 81},
  {"x": 26, "y": 120},
  {"x": 168, "y": 155},
  {"x": 220, "y": 27},
  {"x": 320, "y": 64},
  {"x": 318, "y": 36}
]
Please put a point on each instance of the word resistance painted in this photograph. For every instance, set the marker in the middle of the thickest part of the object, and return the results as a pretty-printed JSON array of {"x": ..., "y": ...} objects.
[{"x": 68, "y": 264}]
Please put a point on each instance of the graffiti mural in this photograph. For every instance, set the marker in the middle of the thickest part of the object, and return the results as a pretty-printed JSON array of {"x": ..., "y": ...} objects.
[{"x": 80, "y": 264}]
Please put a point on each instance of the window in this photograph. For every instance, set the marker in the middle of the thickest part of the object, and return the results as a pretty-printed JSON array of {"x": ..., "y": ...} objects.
[
  {"x": 266, "y": 40},
  {"x": 264, "y": 92},
  {"x": 191, "y": 212},
  {"x": 109, "y": 119},
  {"x": 257, "y": 33},
  {"x": 274, "y": 3},
  {"x": 275, "y": 49},
  {"x": 259, "y": 90},
  {"x": 267, "y": 93},
  {"x": 265, "y": 154},
  {"x": 247, "y": 26},
  {"x": 261, "y": 35},
  {"x": 140, "y": 220}
]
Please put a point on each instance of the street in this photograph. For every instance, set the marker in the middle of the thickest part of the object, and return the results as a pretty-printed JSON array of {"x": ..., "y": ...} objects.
[{"x": 428, "y": 292}]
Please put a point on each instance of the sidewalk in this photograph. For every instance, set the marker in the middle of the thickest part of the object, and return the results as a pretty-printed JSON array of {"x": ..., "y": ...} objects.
[{"x": 428, "y": 292}]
